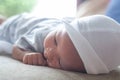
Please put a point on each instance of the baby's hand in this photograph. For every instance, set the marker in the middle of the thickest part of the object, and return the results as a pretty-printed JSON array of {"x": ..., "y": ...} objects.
[{"x": 34, "y": 59}]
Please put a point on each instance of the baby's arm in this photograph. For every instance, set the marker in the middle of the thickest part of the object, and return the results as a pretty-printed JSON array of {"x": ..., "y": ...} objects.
[{"x": 27, "y": 57}]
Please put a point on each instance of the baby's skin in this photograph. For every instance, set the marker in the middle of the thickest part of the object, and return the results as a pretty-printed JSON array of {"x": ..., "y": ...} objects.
[{"x": 59, "y": 52}]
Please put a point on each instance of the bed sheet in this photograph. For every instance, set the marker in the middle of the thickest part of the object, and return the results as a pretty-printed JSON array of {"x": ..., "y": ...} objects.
[{"x": 11, "y": 69}]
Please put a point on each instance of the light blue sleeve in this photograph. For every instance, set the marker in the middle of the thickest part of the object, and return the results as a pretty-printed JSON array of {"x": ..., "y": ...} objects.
[
  {"x": 32, "y": 40},
  {"x": 26, "y": 42},
  {"x": 113, "y": 10}
]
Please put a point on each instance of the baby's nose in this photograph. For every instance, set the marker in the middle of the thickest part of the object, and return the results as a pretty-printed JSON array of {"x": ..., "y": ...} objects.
[{"x": 47, "y": 51}]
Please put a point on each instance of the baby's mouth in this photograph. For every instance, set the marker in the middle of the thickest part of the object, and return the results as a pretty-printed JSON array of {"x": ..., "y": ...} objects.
[
  {"x": 47, "y": 52},
  {"x": 46, "y": 56}
]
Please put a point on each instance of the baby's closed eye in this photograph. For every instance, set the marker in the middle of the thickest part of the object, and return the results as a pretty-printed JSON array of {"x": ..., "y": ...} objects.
[{"x": 55, "y": 39}]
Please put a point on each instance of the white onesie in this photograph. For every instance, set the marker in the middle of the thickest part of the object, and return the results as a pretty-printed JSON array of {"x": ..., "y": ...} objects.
[{"x": 27, "y": 32}]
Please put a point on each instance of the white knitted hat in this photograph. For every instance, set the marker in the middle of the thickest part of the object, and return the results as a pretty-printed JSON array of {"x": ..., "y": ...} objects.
[{"x": 94, "y": 63}]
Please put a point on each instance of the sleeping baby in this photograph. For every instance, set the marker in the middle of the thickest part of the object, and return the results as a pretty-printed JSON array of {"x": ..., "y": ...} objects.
[{"x": 89, "y": 45}]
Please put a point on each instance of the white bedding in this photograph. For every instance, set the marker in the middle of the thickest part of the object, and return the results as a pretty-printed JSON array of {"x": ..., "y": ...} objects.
[{"x": 11, "y": 69}]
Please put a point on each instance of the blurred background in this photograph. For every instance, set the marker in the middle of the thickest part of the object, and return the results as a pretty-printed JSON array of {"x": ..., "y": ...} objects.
[
  {"x": 42, "y": 8},
  {"x": 12, "y": 7},
  {"x": 53, "y": 8}
]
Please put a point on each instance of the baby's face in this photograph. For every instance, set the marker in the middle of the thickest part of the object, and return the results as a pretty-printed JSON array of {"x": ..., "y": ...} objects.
[{"x": 60, "y": 52}]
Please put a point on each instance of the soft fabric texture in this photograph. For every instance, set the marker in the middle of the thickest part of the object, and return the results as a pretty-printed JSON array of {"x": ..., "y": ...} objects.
[
  {"x": 28, "y": 32},
  {"x": 97, "y": 40},
  {"x": 5, "y": 47},
  {"x": 11, "y": 69}
]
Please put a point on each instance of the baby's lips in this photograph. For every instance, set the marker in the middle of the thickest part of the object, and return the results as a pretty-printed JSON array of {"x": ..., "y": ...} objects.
[
  {"x": 45, "y": 54},
  {"x": 45, "y": 63}
]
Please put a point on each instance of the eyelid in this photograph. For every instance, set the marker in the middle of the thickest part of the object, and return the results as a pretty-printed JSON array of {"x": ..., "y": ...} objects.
[{"x": 55, "y": 40}]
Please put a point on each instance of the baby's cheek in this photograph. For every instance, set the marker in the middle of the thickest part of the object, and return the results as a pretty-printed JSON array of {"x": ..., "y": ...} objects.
[{"x": 53, "y": 61}]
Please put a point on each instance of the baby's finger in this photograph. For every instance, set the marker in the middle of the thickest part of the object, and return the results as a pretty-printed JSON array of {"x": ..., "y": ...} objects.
[
  {"x": 40, "y": 60},
  {"x": 35, "y": 59},
  {"x": 30, "y": 59},
  {"x": 25, "y": 59}
]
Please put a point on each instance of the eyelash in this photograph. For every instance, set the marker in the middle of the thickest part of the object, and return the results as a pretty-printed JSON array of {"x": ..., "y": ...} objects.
[
  {"x": 55, "y": 39},
  {"x": 59, "y": 63}
]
